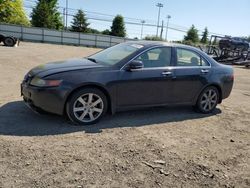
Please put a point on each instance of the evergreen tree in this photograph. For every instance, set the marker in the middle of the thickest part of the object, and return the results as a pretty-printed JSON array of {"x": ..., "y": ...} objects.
[
  {"x": 204, "y": 38},
  {"x": 79, "y": 23},
  {"x": 13, "y": 12},
  {"x": 118, "y": 27},
  {"x": 192, "y": 35},
  {"x": 46, "y": 14}
]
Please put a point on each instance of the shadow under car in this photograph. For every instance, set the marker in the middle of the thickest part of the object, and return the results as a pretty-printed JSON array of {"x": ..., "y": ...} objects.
[{"x": 18, "y": 120}]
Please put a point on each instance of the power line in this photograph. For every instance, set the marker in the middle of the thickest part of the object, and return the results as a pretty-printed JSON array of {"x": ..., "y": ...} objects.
[
  {"x": 91, "y": 15},
  {"x": 98, "y": 13},
  {"x": 126, "y": 22}
]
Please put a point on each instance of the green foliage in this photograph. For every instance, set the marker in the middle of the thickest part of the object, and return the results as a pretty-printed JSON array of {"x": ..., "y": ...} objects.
[
  {"x": 192, "y": 35},
  {"x": 204, "y": 39},
  {"x": 46, "y": 14},
  {"x": 106, "y": 32},
  {"x": 248, "y": 38},
  {"x": 177, "y": 41},
  {"x": 188, "y": 42},
  {"x": 12, "y": 12},
  {"x": 153, "y": 38},
  {"x": 118, "y": 27},
  {"x": 94, "y": 31},
  {"x": 79, "y": 23}
]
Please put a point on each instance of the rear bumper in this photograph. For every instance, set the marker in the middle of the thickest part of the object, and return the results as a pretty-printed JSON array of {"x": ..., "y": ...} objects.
[
  {"x": 47, "y": 99},
  {"x": 227, "y": 88}
]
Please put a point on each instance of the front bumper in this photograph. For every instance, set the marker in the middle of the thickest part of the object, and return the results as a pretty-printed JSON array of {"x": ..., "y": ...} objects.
[{"x": 47, "y": 99}]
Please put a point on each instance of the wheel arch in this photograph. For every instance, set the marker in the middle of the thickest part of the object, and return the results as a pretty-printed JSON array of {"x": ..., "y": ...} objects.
[
  {"x": 91, "y": 85},
  {"x": 217, "y": 86}
]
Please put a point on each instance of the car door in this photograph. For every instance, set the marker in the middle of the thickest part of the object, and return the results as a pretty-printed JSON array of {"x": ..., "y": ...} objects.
[
  {"x": 150, "y": 85},
  {"x": 191, "y": 73}
]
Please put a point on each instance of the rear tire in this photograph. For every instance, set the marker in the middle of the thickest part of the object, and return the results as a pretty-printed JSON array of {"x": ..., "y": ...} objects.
[
  {"x": 87, "y": 106},
  {"x": 9, "y": 41},
  {"x": 208, "y": 100}
]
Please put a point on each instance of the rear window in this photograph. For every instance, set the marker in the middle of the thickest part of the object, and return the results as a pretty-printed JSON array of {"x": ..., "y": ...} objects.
[{"x": 189, "y": 58}]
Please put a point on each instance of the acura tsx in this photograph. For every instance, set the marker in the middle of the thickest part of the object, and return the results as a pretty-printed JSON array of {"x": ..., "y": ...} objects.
[{"x": 130, "y": 75}]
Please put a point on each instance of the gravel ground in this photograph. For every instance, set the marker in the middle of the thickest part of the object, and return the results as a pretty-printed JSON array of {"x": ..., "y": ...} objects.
[{"x": 159, "y": 147}]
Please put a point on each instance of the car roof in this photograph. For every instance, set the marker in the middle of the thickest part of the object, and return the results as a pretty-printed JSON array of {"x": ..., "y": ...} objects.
[{"x": 148, "y": 44}]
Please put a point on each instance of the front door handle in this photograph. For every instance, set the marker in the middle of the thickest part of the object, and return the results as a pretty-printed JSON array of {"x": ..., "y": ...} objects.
[{"x": 204, "y": 71}]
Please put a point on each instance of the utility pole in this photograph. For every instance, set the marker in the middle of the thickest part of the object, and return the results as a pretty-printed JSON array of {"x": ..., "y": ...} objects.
[
  {"x": 168, "y": 17},
  {"x": 142, "y": 24},
  {"x": 162, "y": 25},
  {"x": 67, "y": 6},
  {"x": 160, "y": 5},
  {"x": 64, "y": 14}
]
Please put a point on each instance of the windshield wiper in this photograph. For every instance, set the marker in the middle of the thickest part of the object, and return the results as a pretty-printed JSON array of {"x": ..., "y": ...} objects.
[{"x": 92, "y": 59}]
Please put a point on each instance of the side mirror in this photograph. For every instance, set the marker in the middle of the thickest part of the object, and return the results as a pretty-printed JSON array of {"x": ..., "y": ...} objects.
[{"x": 135, "y": 65}]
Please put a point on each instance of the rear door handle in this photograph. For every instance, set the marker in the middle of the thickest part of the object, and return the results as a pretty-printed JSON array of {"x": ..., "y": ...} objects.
[
  {"x": 204, "y": 71},
  {"x": 167, "y": 73}
]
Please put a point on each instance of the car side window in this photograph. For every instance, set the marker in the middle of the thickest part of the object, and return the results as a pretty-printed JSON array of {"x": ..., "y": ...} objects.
[
  {"x": 157, "y": 57},
  {"x": 189, "y": 58}
]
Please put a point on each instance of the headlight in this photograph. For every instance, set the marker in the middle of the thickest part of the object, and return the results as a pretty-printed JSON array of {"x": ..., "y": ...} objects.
[{"x": 45, "y": 83}]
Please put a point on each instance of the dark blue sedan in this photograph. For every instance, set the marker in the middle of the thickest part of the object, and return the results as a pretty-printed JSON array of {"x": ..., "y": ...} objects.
[{"x": 128, "y": 76}]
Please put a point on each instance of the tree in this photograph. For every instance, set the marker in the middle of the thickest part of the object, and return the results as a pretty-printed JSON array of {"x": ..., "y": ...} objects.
[
  {"x": 248, "y": 38},
  {"x": 13, "y": 12},
  {"x": 94, "y": 31},
  {"x": 79, "y": 23},
  {"x": 46, "y": 14},
  {"x": 153, "y": 38},
  {"x": 192, "y": 35},
  {"x": 118, "y": 27},
  {"x": 204, "y": 38},
  {"x": 106, "y": 32}
]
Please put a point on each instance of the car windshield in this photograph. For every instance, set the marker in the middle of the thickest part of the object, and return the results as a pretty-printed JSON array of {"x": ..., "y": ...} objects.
[{"x": 115, "y": 54}]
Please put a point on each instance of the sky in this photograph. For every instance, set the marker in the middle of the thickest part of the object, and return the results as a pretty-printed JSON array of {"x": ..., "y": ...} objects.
[{"x": 226, "y": 17}]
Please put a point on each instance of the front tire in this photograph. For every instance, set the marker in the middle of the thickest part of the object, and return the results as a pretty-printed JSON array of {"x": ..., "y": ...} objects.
[
  {"x": 87, "y": 106},
  {"x": 208, "y": 100}
]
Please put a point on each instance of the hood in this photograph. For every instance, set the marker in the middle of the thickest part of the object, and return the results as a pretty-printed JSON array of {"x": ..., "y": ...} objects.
[{"x": 63, "y": 66}]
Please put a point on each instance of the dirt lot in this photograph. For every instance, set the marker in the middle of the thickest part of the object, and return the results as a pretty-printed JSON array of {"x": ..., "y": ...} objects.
[{"x": 194, "y": 150}]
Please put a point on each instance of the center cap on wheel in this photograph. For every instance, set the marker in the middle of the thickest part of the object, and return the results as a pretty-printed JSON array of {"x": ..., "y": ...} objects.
[{"x": 91, "y": 108}]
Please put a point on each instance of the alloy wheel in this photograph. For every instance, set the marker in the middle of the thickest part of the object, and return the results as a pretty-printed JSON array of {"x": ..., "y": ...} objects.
[
  {"x": 88, "y": 107},
  {"x": 209, "y": 100}
]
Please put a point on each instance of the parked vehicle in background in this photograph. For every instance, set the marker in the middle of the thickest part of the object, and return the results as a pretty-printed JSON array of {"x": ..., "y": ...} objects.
[
  {"x": 8, "y": 40},
  {"x": 128, "y": 76},
  {"x": 234, "y": 43},
  {"x": 228, "y": 50}
]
